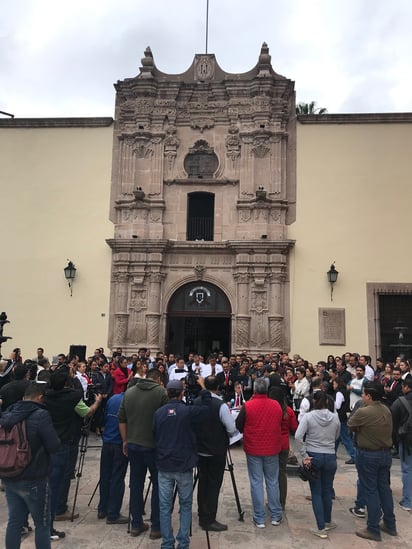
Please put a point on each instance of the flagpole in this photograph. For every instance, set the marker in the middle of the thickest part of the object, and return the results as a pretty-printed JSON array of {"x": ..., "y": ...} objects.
[{"x": 207, "y": 22}]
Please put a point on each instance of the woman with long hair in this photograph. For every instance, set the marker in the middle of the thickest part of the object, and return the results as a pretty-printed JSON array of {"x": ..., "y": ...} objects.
[
  {"x": 316, "y": 436},
  {"x": 289, "y": 425}
]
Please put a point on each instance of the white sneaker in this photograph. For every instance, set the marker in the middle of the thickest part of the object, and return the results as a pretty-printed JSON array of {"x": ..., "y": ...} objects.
[
  {"x": 404, "y": 507},
  {"x": 320, "y": 533},
  {"x": 259, "y": 524},
  {"x": 276, "y": 522},
  {"x": 330, "y": 526}
]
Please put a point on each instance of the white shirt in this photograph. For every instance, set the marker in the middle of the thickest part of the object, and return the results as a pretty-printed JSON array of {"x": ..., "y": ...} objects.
[
  {"x": 179, "y": 375},
  {"x": 207, "y": 370},
  {"x": 369, "y": 373}
]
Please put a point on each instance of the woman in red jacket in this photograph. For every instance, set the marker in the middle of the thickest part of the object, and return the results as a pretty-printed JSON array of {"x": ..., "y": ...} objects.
[
  {"x": 121, "y": 376},
  {"x": 289, "y": 425}
]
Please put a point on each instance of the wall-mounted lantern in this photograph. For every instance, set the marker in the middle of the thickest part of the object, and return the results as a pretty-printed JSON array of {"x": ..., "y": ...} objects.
[
  {"x": 332, "y": 275},
  {"x": 70, "y": 274}
]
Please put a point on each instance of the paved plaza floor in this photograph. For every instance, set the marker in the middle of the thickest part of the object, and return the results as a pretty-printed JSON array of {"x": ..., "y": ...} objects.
[{"x": 87, "y": 532}]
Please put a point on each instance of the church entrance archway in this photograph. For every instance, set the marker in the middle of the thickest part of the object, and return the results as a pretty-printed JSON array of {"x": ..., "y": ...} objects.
[{"x": 198, "y": 320}]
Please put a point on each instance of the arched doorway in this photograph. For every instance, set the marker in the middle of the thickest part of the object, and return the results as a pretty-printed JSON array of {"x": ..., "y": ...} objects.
[{"x": 198, "y": 320}]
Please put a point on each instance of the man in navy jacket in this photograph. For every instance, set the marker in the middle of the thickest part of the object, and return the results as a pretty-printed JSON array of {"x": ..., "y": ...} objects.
[
  {"x": 29, "y": 492},
  {"x": 176, "y": 455}
]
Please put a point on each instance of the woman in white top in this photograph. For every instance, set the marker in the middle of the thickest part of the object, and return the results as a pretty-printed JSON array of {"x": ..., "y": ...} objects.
[{"x": 301, "y": 388}]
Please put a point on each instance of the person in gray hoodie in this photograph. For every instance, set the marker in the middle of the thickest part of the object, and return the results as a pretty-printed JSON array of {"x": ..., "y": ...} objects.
[{"x": 316, "y": 436}]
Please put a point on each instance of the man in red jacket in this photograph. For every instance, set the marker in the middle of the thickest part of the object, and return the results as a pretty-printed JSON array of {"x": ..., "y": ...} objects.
[{"x": 260, "y": 422}]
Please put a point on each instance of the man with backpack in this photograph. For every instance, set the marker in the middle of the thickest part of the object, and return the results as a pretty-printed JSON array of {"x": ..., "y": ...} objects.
[
  {"x": 27, "y": 490},
  {"x": 402, "y": 427}
]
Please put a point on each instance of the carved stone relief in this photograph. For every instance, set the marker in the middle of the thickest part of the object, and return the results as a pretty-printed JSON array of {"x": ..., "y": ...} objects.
[
  {"x": 171, "y": 144},
  {"x": 233, "y": 143}
]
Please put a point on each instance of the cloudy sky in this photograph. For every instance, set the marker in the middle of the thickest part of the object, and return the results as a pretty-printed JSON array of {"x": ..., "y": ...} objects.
[{"x": 61, "y": 58}]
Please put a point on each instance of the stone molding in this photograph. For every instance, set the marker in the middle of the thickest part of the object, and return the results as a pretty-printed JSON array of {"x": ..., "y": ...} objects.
[
  {"x": 357, "y": 118},
  {"x": 86, "y": 122}
]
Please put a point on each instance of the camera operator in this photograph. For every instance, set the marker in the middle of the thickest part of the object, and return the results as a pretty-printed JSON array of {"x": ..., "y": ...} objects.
[
  {"x": 192, "y": 387},
  {"x": 67, "y": 410},
  {"x": 212, "y": 436},
  {"x": 178, "y": 371}
]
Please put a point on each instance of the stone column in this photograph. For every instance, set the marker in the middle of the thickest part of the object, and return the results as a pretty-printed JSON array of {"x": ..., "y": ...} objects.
[
  {"x": 121, "y": 316},
  {"x": 153, "y": 311},
  {"x": 276, "y": 319},
  {"x": 242, "y": 336}
]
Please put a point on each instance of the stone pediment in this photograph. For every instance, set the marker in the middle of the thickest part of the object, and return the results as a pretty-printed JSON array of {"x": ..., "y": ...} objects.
[{"x": 206, "y": 68}]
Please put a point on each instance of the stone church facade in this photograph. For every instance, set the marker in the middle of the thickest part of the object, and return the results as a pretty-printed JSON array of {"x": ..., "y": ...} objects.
[{"x": 203, "y": 191}]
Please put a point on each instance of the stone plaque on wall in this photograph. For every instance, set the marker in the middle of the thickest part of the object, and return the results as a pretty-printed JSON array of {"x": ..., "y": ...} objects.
[{"x": 332, "y": 327}]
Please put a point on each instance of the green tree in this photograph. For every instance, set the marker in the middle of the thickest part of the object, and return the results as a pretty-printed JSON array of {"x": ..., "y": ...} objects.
[{"x": 309, "y": 108}]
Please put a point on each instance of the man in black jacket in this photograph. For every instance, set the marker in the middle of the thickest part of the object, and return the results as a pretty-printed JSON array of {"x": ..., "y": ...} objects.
[
  {"x": 400, "y": 416},
  {"x": 173, "y": 429},
  {"x": 67, "y": 410},
  {"x": 29, "y": 492},
  {"x": 212, "y": 443}
]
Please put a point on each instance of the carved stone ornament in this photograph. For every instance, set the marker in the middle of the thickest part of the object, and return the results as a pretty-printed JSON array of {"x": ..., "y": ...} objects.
[
  {"x": 201, "y": 160},
  {"x": 199, "y": 271},
  {"x": 260, "y": 147},
  {"x": 233, "y": 143},
  {"x": 171, "y": 144},
  {"x": 245, "y": 215},
  {"x": 205, "y": 67},
  {"x": 259, "y": 301},
  {"x": 142, "y": 148},
  {"x": 202, "y": 123},
  {"x": 138, "y": 300}
]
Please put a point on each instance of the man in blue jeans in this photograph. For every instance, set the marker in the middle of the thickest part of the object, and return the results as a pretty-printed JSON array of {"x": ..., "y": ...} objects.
[
  {"x": 29, "y": 492},
  {"x": 176, "y": 455},
  {"x": 260, "y": 422},
  {"x": 136, "y": 413},
  {"x": 372, "y": 424},
  {"x": 113, "y": 466}
]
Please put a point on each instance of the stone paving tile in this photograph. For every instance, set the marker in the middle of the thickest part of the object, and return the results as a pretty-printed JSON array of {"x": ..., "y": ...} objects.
[{"x": 90, "y": 533}]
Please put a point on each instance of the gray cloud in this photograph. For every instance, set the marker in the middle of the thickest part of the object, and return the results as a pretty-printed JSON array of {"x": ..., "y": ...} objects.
[{"x": 61, "y": 60}]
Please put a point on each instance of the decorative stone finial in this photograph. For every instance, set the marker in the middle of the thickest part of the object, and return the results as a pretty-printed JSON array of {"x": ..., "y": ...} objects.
[
  {"x": 147, "y": 64},
  {"x": 264, "y": 63}
]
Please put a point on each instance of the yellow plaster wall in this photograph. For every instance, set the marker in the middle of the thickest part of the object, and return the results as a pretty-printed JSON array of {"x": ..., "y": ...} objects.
[
  {"x": 54, "y": 205},
  {"x": 354, "y": 196}
]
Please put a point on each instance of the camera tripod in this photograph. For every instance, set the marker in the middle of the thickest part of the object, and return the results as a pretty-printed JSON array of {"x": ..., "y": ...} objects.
[
  {"x": 230, "y": 468},
  {"x": 83, "y": 446}
]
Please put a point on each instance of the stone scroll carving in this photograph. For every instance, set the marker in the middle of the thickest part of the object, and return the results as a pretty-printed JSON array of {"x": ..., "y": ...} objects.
[
  {"x": 120, "y": 329},
  {"x": 242, "y": 332},
  {"x": 275, "y": 333}
]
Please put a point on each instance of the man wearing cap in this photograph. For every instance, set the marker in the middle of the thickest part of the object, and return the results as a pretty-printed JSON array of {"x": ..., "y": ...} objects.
[{"x": 176, "y": 455}]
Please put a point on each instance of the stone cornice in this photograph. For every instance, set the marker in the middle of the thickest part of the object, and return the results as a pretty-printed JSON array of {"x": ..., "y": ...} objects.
[
  {"x": 137, "y": 245},
  {"x": 87, "y": 122},
  {"x": 261, "y": 246},
  {"x": 181, "y": 246},
  {"x": 201, "y": 181},
  {"x": 357, "y": 118}
]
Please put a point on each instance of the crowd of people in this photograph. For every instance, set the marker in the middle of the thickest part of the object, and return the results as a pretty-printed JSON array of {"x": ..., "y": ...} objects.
[{"x": 172, "y": 416}]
